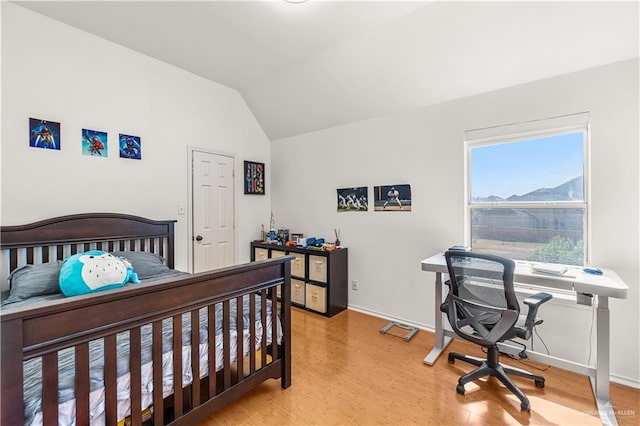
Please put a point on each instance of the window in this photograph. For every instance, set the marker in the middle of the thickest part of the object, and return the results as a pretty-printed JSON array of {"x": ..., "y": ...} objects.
[{"x": 527, "y": 192}]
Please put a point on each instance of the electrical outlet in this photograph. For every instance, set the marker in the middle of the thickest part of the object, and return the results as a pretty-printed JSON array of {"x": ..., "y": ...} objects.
[{"x": 354, "y": 285}]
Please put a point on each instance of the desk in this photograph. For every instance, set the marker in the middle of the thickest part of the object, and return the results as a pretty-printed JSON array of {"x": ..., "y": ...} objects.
[{"x": 601, "y": 286}]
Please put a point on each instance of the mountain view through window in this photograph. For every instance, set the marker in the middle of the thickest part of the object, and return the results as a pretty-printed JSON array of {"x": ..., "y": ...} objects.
[{"x": 527, "y": 198}]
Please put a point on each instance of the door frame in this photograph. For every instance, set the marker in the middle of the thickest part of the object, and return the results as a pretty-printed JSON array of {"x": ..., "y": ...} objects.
[{"x": 189, "y": 212}]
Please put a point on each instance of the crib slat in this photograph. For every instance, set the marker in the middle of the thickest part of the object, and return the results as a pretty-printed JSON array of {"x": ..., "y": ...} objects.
[
  {"x": 158, "y": 404},
  {"x": 252, "y": 333},
  {"x": 110, "y": 376},
  {"x": 50, "y": 388},
  {"x": 177, "y": 365},
  {"x": 211, "y": 329},
  {"x": 30, "y": 255},
  {"x": 135, "y": 367},
  {"x": 60, "y": 252},
  {"x": 195, "y": 357},
  {"x": 226, "y": 344},
  {"x": 82, "y": 383},
  {"x": 161, "y": 242},
  {"x": 239, "y": 339},
  {"x": 274, "y": 324},
  {"x": 263, "y": 321},
  {"x": 13, "y": 259},
  {"x": 45, "y": 254}
]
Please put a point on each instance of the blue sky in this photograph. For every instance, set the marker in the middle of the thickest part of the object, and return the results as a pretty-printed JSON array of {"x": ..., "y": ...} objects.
[{"x": 521, "y": 167}]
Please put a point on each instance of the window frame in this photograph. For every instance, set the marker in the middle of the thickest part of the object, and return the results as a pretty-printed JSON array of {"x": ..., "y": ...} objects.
[{"x": 522, "y": 132}]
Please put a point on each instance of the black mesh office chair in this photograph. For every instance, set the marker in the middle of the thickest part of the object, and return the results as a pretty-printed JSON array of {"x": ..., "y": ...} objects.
[{"x": 482, "y": 308}]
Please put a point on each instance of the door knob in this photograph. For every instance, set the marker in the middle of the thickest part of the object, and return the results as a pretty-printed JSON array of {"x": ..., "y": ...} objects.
[{"x": 199, "y": 238}]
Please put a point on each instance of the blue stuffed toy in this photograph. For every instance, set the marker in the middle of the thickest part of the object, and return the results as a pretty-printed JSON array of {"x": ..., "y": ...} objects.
[{"x": 94, "y": 270}]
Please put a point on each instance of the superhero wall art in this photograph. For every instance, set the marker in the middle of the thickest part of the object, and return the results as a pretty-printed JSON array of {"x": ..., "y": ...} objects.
[
  {"x": 94, "y": 143},
  {"x": 130, "y": 147},
  {"x": 44, "y": 134}
]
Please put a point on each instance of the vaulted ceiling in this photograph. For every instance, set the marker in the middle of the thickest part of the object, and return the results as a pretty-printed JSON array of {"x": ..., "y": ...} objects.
[{"x": 319, "y": 64}]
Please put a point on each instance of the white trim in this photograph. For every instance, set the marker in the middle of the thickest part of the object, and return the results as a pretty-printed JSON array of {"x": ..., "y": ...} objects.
[
  {"x": 532, "y": 127},
  {"x": 391, "y": 318},
  {"x": 586, "y": 182},
  {"x": 518, "y": 132}
]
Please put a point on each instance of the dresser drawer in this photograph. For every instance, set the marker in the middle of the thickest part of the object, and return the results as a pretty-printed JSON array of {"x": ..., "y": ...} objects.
[
  {"x": 316, "y": 298},
  {"x": 261, "y": 253},
  {"x": 297, "y": 265},
  {"x": 318, "y": 268}
]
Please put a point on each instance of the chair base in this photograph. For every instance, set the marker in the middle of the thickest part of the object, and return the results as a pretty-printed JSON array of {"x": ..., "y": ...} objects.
[{"x": 492, "y": 367}]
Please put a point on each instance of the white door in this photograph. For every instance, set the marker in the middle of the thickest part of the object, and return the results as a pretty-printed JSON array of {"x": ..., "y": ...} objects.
[{"x": 213, "y": 211}]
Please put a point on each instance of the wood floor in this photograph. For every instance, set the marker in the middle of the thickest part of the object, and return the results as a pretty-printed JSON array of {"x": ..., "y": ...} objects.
[{"x": 345, "y": 372}]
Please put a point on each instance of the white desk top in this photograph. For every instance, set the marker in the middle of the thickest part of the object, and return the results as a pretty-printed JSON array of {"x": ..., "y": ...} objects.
[{"x": 575, "y": 279}]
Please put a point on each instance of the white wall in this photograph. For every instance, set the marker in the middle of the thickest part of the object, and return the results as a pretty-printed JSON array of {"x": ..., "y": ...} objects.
[
  {"x": 55, "y": 72},
  {"x": 424, "y": 148}
]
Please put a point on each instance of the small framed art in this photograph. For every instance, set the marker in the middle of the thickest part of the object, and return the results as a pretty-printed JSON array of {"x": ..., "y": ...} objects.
[
  {"x": 44, "y": 134},
  {"x": 392, "y": 198},
  {"x": 353, "y": 199},
  {"x": 254, "y": 178},
  {"x": 130, "y": 147},
  {"x": 94, "y": 143}
]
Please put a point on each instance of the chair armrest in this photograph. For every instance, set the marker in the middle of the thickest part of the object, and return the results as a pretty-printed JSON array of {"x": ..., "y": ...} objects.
[
  {"x": 533, "y": 303},
  {"x": 537, "y": 299}
]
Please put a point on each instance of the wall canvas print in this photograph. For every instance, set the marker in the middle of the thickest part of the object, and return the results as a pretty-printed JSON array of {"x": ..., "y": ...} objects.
[
  {"x": 392, "y": 198},
  {"x": 94, "y": 143},
  {"x": 44, "y": 134},
  {"x": 130, "y": 147},
  {"x": 254, "y": 178},
  {"x": 353, "y": 199}
]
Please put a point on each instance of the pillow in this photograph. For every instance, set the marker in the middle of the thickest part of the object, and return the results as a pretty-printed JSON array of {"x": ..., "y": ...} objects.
[
  {"x": 92, "y": 271},
  {"x": 34, "y": 280},
  {"x": 147, "y": 265}
]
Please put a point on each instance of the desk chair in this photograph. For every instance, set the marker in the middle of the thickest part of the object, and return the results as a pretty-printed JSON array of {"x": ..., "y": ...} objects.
[{"x": 482, "y": 308}]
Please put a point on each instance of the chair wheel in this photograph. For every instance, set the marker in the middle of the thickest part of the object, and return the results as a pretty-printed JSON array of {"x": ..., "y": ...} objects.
[
  {"x": 525, "y": 407},
  {"x": 540, "y": 384},
  {"x": 451, "y": 359},
  {"x": 460, "y": 389}
]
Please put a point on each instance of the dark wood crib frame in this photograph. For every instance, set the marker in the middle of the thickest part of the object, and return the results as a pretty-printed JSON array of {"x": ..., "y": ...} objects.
[{"x": 71, "y": 323}]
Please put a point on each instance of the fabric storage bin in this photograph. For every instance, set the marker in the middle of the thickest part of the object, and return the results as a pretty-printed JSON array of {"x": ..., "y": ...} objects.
[
  {"x": 261, "y": 254},
  {"x": 297, "y": 265},
  {"x": 316, "y": 298},
  {"x": 297, "y": 291},
  {"x": 318, "y": 268}
]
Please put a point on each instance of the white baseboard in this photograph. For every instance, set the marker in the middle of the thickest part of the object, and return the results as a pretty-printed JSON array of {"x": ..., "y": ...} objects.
[
  {"x": 630, "y": 383},
  {"x": 392, "y": 318},
  {"x": 624, "y": 381}
]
